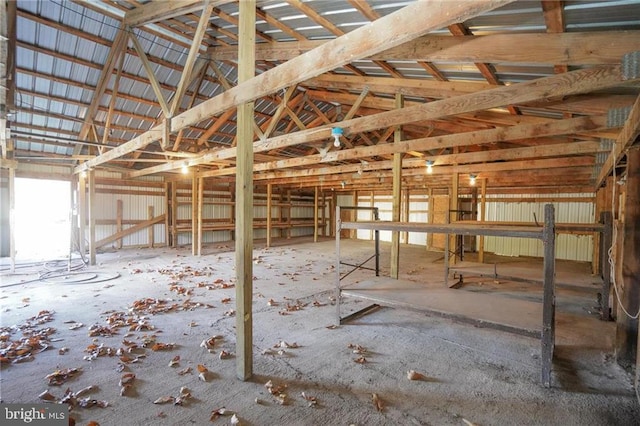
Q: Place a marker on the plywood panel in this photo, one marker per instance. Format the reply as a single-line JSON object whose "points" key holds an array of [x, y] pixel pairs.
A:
{"points": [[440, 210]]}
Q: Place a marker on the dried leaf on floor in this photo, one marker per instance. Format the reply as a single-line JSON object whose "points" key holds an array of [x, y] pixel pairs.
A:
{"points": [[283, 344], [89, 402], [331, 327], [215, 414], [357, 349], [162, 346], [468, 423], [224, 355], [83, 391], [377, 402], [46, 396], [360, 360], [312, 400], [272, 302], [184, 371], [93, 423], [164, 400], [174, 361], [235, 420], [318, 304], [225, 300], [59, 377], [203, 372], [76, 326], [414, 375], [202, 368], [230, 313], [127, 379], [124, 390], [63, 350]]}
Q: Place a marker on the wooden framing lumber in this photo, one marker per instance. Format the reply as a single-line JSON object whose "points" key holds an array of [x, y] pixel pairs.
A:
{"points": [[627, 136], [394, 29], [574, 48], [135, 228], [548, 297], [396, 195], [155, 85], [244, 193], [558, 85], [166, 9]]}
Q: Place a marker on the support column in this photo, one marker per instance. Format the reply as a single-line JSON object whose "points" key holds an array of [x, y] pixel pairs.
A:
{"points": [[483, 208], [453, 216], [397, 194], [200, 209], [332, 216], [269, 194], [167, 210], [315, 215], [430, 213], [119, 210], [174, 214], [82, 213], [244, 191], [548, 336], [407, 205], [91, 214], [150, 236], [194, 215], [629, 288]]}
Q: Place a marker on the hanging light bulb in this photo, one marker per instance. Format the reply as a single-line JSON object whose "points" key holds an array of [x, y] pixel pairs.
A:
{"points": [[472, 180], [336, 132], [429, 166], [185, 168], [343, 183]]}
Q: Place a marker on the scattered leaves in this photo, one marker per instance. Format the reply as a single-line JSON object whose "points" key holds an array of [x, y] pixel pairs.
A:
{"points": [[414, 375], [377, 402], [224, 355], [311, 400], [360, 360], [184, 371], [164, 400], [230, 313], [283, 344], [59, 377], [174, 361], [357, 349], [76, 325], [162, 346]]}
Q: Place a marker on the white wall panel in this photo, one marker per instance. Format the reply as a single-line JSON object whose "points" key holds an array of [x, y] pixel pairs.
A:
{"points": [[570, 247]]}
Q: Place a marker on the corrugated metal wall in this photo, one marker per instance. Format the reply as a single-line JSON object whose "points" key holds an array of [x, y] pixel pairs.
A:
{"points": [[500, 208], [570, 247]]}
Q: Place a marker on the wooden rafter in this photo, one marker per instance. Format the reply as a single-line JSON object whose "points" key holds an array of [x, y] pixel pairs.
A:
{"points": [[151, 75], [389, 31]]}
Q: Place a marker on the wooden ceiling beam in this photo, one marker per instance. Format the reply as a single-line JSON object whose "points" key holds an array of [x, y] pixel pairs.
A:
{"points": [[574, 82], [161, 10], [411, 21], [424, 144], [579, 48]]}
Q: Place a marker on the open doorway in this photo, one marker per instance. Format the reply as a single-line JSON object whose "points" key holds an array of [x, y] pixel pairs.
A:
{"points": [[42, 219]]}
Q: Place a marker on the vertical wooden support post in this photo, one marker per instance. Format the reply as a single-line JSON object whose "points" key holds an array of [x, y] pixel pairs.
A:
{"points": [[269, 195], [194, 215], [119, 210], [244, 191], [606, 218], [324, 214], [353, 234], [629, 288], [430, 213], [453, 216], [483, 208], [405, 216], [315, 215], [174, 214], [548, 298], [396, 195], [150, 233], [167, 215], [200, 210], [232, 197], [12, 218], [332, 217], [337, 235], [289, 210], [372, 204], [82, 213], [91, 215]]}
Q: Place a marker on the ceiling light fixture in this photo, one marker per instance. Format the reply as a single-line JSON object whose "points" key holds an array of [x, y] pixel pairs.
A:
{"points": [[429, 166], [472, 179], [185, 168], [336, 132]]}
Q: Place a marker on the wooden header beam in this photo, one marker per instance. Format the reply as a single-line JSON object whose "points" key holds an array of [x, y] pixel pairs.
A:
{"points": [[397, 28], [166, 9], [593, 48]]}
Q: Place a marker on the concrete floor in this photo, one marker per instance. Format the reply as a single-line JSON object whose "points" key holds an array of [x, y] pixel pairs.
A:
{"points": [[480, 375]]}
